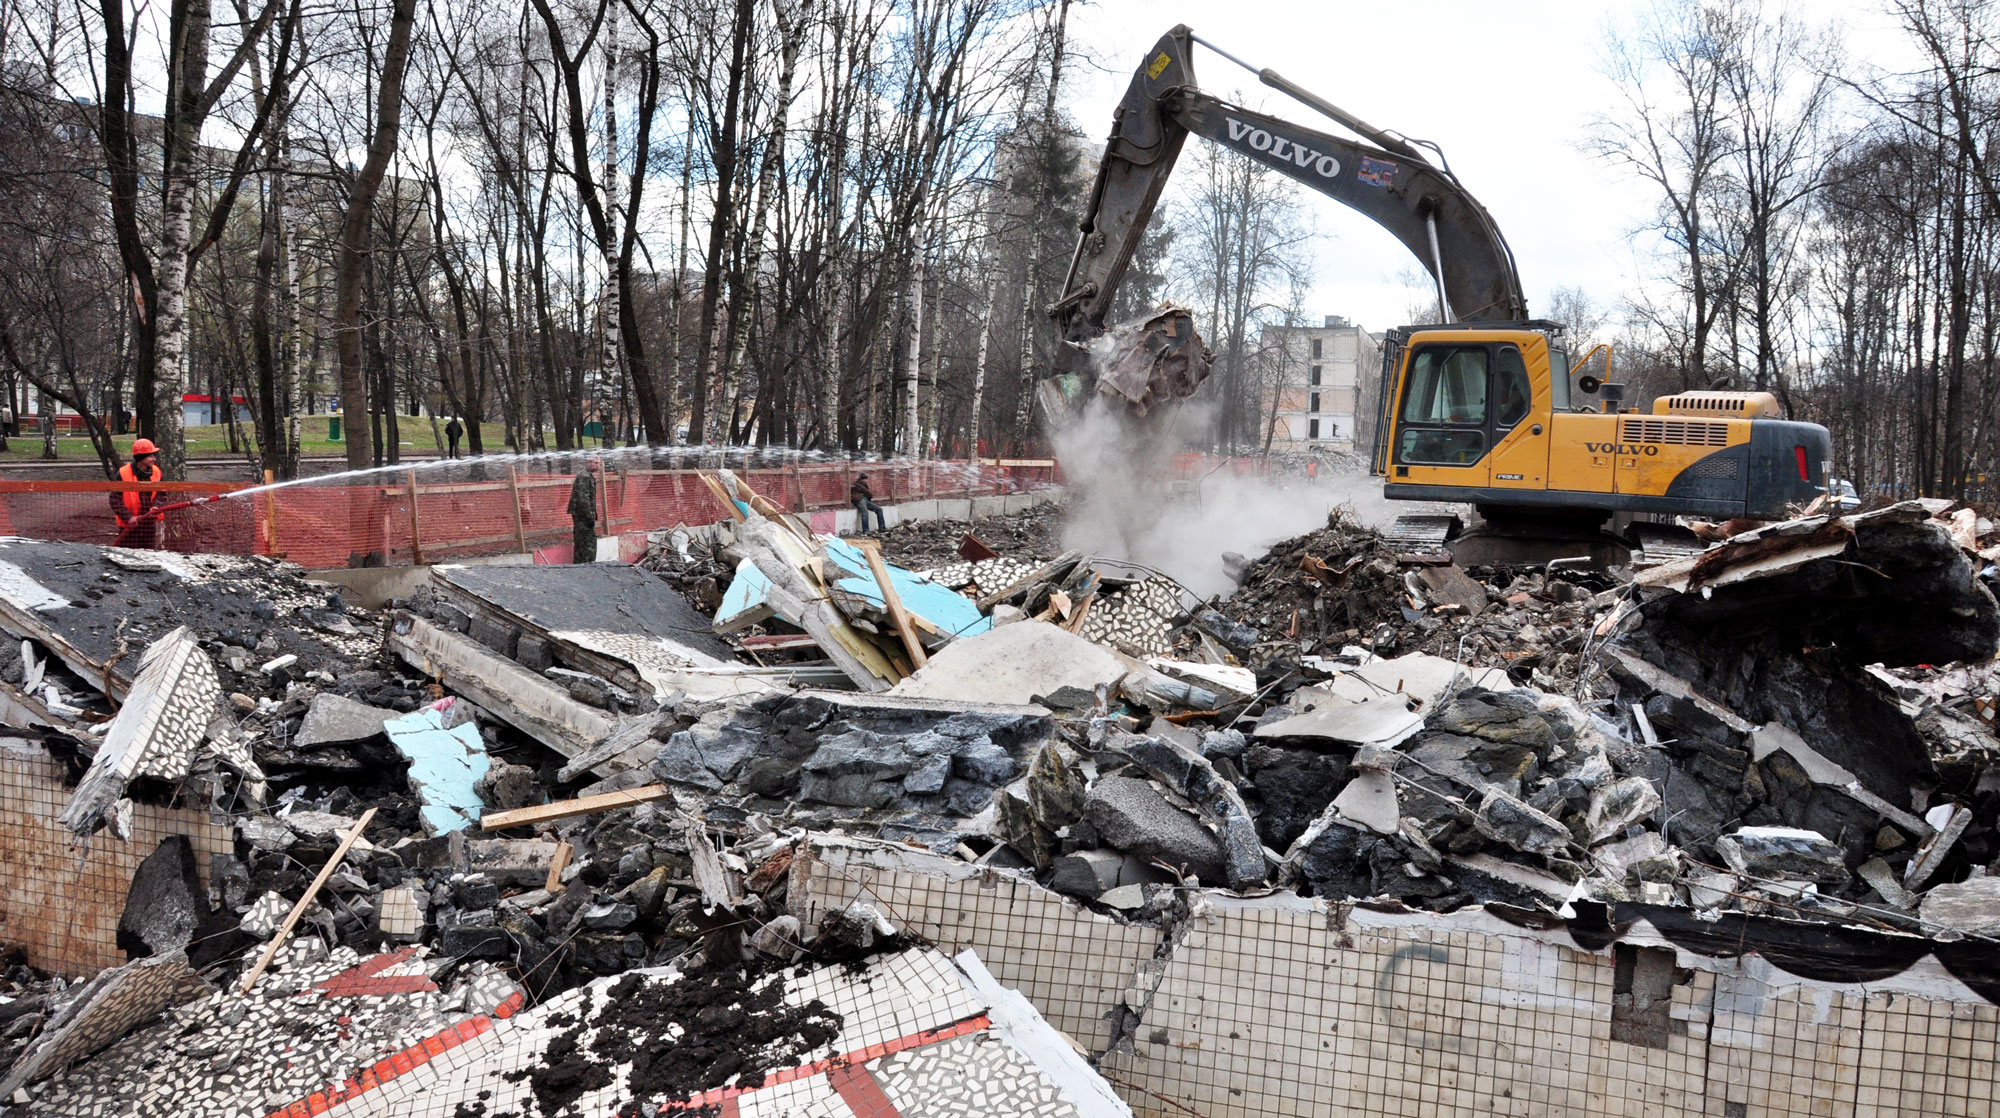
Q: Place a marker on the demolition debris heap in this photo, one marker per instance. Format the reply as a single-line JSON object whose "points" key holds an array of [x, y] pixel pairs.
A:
{"points": [[588, 797]]}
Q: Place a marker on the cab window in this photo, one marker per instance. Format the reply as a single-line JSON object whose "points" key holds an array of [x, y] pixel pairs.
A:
{"points": [[1558, 378], [1512, 394], [1447, 385], [1444, 406]]}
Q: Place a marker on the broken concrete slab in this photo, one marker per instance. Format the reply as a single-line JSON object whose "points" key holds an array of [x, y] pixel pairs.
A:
{"points": [[1092, 873], [1966, 907], [1369, 800], [338, 720], [1949, 821], [1013, 664], [1381, 720], [166, 907], [1507, 820], [1618, 805], [1783, 853], [1135, 817], [1420, 676], [588, 596], [1192, 777]]}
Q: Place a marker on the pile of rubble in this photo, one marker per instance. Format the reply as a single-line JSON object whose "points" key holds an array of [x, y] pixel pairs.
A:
{"points": [[583, 799]]}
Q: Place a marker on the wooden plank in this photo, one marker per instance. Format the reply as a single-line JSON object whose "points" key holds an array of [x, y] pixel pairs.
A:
{"points": [[598, 757], [900, 617], [416, 526], [570, 809], [556, 866], [271, 516], [514, 488], [777, 642], [299, 909], [527, 701], [1044, 573]]}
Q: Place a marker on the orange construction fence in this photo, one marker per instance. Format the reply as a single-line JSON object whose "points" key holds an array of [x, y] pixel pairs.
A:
{"points": [[472, 508]]}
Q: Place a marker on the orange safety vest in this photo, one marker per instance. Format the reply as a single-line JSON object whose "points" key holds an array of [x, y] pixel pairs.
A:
{"points": [[131, 497]]}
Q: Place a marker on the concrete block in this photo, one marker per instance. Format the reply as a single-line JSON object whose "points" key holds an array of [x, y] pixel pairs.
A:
{"points": [[532, 652], [496, 635]]}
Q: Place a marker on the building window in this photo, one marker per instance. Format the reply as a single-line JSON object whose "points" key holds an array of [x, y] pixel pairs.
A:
{"points": [[1315, 402], [1312, 428], [1316, 343], [1315, 377]]}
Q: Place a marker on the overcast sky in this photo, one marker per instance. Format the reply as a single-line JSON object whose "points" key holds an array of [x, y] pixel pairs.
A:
{"points": [[1507, 89]]}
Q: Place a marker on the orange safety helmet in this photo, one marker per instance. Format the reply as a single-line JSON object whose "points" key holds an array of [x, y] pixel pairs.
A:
{"points": [[143, 446]]}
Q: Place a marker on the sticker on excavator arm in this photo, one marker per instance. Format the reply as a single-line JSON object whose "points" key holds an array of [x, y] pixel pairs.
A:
{"points": [[1159, 65]]}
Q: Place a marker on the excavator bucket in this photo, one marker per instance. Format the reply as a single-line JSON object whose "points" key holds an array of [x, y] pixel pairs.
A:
{"points": [[1149, 361]]}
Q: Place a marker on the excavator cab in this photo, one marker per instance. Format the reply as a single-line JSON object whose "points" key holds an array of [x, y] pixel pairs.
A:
{"points": [[1483, 415]]}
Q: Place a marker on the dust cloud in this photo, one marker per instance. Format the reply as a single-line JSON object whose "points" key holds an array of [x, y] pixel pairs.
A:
{"points": [[1127, 502]]}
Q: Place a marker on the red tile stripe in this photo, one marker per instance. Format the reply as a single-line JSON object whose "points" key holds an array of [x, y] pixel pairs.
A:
{"points": [[851, 1059], [399, 1063], [861, 1093], [362, 981]]}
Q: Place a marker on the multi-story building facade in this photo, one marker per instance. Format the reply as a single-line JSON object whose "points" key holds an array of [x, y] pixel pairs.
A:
{"points": [[1321, 381]]}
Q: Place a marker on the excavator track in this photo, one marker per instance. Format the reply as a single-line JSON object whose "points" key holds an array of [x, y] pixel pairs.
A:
{"points": [[1422, 538], [1654, 544]]}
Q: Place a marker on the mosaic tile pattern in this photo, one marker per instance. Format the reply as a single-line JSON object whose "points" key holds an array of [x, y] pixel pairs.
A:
{"points": [[227, 1055], [61, 905], [1277, 1009], [349, 1037], [104, 1009], [970, 1076]]}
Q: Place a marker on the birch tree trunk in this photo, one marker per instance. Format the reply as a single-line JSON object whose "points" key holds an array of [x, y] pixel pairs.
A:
{"points": [[979, 363], [912, 418], [608, 358]]}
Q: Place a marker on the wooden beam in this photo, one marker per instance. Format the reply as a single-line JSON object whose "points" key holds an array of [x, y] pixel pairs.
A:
{"points": [[299, 909], [514, 488], [900, 617], [529, 702], [570, 809], [271, 516], [1048, 571], [416, 525], [556, 866]]}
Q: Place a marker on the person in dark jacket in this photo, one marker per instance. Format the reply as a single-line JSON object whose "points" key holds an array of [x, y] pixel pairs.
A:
{"points": [[863, 499], [452, 431], [583, 518]]}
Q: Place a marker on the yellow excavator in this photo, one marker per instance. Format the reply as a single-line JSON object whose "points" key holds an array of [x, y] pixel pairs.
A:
{"points": [[1483, 409]]}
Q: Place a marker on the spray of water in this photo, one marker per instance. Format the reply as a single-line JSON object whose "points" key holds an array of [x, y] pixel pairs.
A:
{"points": [[489, 467]]}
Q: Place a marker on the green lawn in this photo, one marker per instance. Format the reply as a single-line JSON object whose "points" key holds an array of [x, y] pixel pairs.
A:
{"points": [[213, 441]]}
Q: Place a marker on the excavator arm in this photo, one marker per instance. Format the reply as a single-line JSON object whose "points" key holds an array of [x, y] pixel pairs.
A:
{"points": [[1389, 180]]}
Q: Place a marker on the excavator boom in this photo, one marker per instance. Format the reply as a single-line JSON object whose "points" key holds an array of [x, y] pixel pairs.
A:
{"points": [[1421, 204]]}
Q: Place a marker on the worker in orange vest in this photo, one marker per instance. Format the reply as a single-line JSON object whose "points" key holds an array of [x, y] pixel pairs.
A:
{"points": [[138, 524]]}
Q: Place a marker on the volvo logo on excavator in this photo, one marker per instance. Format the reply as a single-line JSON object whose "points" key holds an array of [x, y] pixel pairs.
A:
{"points": [[1624, 450], [1278, 147]]}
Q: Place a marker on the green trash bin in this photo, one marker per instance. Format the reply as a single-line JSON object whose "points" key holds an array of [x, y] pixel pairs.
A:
{"points": [[333, 429]]}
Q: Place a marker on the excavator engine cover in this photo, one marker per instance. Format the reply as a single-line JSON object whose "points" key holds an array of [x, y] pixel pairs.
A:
{"points": [[1148, 361]]}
